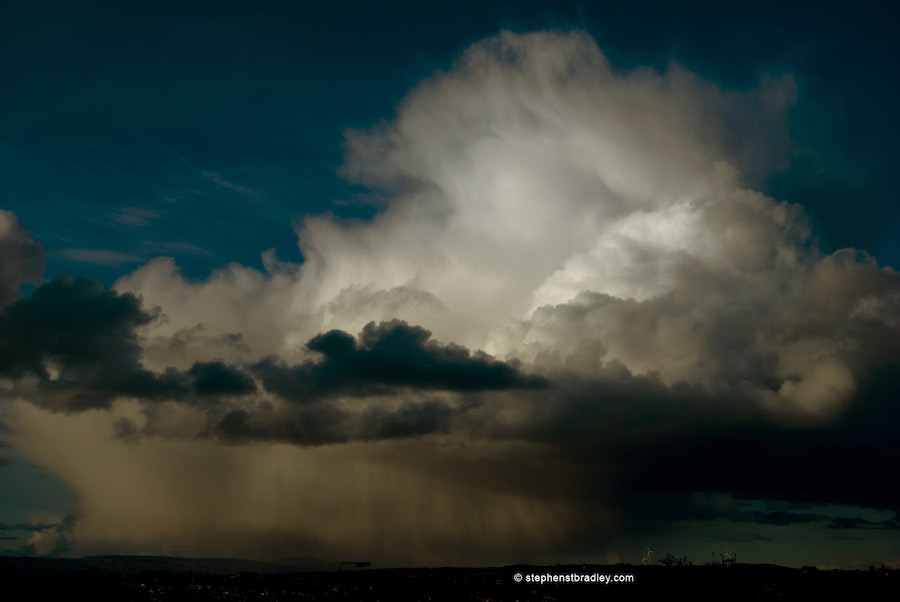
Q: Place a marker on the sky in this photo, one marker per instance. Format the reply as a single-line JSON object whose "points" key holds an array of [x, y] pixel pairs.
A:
{"points": [[450, 283]]}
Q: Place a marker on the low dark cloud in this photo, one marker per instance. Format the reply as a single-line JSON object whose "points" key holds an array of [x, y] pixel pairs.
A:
{"points": [[388, 356], [73, 346], [393, 368], [411, 419], [217, 378], [845, 522], [73, 322], [328, 421], [654, 446], [317, 424], [79, 342]]}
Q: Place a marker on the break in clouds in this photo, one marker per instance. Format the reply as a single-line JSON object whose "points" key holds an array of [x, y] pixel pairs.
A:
{"points": [[570, 295]]}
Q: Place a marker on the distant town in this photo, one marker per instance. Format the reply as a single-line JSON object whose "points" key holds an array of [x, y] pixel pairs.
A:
{"points": [[144, 579]]}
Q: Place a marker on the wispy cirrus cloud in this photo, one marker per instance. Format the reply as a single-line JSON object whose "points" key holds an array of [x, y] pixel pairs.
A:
{"points": [[135, 216], [99, 256]]}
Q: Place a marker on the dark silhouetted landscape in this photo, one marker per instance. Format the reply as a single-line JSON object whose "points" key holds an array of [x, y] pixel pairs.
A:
{"points": [[122, 579]]}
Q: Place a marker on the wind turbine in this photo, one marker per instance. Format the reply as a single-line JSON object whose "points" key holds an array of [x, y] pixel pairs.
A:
{"points": [[645, 556]]}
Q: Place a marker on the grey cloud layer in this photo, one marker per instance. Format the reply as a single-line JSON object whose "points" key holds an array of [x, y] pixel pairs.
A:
{"points": [[388, 356], [71, 346], [80, 344]]}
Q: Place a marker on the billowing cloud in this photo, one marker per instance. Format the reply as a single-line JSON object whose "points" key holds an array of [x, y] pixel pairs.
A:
{"points": [[388, 356], [570, 302], [72, 345]]}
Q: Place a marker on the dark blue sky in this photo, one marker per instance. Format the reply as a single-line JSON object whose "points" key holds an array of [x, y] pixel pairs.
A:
{"points": [[235, 112]]}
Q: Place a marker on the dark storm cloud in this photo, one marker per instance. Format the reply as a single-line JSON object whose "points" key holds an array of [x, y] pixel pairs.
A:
{"points": [[319, 424], [329, 421], [389, 355], [73, 346], [647, 448], [326, 421], [217, 378], [79, 342], [389, 366], [75, 323], [388, 362], [410, 420]]}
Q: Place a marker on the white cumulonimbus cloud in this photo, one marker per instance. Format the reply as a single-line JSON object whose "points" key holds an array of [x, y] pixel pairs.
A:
{"points": [[595, 229], [538, 199]]}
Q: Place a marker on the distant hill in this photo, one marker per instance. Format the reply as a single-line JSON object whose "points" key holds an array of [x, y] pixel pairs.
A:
{"points": [[150, 564], [118, 578]]}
